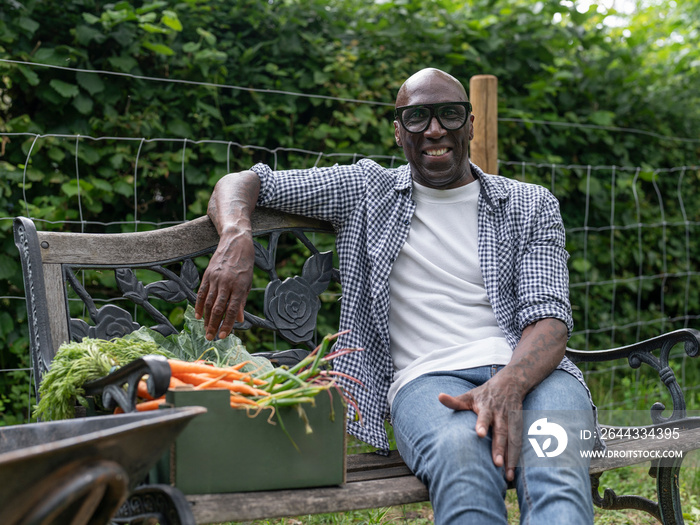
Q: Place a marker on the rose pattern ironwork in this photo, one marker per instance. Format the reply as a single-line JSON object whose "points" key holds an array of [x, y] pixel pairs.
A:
{"points": [[292, 306], [110, 322]]}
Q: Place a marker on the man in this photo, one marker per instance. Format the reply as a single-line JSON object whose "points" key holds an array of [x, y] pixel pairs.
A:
{"points": [[455, 284]]}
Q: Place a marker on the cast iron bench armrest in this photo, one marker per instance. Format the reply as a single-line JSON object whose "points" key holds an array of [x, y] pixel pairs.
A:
{"points": [[664, 342], [643, 352]]}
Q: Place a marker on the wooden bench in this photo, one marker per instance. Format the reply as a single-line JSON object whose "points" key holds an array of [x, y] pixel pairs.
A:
{"points": [[52, 262]]}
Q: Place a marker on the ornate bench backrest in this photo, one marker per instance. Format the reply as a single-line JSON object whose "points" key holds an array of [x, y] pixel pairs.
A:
{"points": [[52, 264]]}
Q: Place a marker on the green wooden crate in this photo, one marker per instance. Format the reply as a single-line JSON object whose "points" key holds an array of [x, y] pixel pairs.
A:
{"points": [[228, 450]]}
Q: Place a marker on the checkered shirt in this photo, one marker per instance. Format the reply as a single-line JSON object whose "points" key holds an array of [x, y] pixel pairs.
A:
{"points": [[522, 255]]}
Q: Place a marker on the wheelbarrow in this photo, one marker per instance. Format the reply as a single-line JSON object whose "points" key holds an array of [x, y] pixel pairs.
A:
{"points": [[81, 471]]}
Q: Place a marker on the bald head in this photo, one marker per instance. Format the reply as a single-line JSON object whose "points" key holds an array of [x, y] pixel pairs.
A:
{"points": [[426, 81]]}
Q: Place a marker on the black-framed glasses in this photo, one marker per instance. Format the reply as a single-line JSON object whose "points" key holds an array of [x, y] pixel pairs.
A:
{"points": [[417, 118]]}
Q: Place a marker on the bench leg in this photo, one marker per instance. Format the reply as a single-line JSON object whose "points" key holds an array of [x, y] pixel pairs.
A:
{"points": [[666, 472], [668, 510], [612, 501]]}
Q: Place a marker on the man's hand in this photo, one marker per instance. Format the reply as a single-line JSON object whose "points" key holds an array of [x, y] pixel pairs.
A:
{"points": [[498, 402], [225, 285], [229, 276], [498, 406]]}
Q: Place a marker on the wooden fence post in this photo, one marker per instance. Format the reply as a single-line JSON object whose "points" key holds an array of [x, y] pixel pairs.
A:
{"points": [[483, 94]]}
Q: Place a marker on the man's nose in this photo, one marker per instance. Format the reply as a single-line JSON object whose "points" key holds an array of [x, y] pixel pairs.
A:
{"points": [[435, 129]]}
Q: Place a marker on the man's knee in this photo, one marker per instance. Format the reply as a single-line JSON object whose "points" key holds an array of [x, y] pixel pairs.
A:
{"points": [[558, 391]]}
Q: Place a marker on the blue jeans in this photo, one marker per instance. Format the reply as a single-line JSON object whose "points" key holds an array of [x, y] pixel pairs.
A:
{"points": [[441, 447]]}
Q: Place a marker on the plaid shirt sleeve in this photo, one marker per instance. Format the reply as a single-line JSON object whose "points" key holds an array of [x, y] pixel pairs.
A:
{"points": [[329, 194], [523, 255], [543, 290]]}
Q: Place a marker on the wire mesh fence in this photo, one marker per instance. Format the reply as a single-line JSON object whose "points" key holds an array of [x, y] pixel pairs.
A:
{"points": [[631, 231]]}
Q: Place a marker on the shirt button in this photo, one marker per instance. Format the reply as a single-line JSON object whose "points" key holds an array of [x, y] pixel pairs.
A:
{"points": [[407, 222]]}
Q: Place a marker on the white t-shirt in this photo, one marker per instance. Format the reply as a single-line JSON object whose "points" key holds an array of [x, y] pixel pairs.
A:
{"points": [[440, 316]]}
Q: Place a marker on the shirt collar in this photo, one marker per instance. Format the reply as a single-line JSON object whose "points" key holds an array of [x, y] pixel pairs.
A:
{"points": [[492, 193], [403, 180]]}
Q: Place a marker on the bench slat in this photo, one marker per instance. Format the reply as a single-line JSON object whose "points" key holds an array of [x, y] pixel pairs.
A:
{"points": [[623, 451], [382, 473], [197, 235], [215, 508], [370, 460]]}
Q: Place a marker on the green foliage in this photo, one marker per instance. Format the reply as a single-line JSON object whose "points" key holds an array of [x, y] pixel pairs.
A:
{"points": [[553, 64], [73, 365], [191, 345]]}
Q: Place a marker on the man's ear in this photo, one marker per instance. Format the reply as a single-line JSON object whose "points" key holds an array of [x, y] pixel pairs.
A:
{"points": [[471, 127], [397, 135]]}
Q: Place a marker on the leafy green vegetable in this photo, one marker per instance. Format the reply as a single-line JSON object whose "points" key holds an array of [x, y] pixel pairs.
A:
{"points": [[76, 363], [192, 345]]}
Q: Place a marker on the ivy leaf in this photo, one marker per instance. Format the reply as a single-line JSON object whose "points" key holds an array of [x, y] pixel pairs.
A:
{"points": [[28, 24], [123, 63], [90, 82], [86, 34], [90, 18], [160, 49], [147, 8], [206, 35], [83, 104], [191, 47], [30, 75], [56, 154], [153, 29], [64, 89], [171, 20], [179, 128], [8, 267]]}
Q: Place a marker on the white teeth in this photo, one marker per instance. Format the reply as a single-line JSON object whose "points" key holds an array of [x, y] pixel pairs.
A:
{"points": [[436, 152]]}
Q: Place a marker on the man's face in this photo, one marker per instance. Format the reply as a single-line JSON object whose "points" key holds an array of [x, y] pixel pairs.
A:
{"points": [[438, 158]]}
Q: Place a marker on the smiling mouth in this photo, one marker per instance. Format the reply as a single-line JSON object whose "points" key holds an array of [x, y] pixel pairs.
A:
{"points": [[436, 152]]}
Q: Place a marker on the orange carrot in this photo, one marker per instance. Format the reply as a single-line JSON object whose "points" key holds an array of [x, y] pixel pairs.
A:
{"points": [[190, 378], [142, 390], [209, 382], [177, 368], [234, 386], [237, 400], [240, 388], [175, 382], [238, 366], [150, 405]]}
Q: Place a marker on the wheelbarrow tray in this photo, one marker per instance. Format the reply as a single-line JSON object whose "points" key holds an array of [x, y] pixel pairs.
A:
{"points": [[31, 453]]}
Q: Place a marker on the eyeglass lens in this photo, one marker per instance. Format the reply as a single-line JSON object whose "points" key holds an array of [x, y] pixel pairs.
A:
{"points": [[418, 119]]}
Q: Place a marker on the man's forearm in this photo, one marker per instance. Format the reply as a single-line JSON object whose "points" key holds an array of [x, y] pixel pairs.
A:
{"points": [[233, 201], [539, 352], [227, 280]]}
